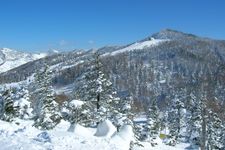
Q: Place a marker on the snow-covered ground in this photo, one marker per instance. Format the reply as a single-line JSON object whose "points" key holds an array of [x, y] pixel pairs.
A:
{"points": [[22, 136]]}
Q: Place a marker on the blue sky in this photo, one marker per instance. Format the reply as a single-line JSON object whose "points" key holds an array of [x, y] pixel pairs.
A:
{"points": [[40, 25]]}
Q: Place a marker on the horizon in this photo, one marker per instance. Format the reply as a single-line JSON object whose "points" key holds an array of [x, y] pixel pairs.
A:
{"points": [[66, 25]]}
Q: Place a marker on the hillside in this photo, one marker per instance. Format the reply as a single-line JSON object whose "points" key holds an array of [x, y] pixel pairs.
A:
{"points": [[178, 60], [165, 92], [10, 59]]}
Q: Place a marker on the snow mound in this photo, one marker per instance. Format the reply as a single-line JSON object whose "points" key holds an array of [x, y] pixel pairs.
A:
{"points": [[21, 136], [105, 129], [62, 126], [123, 138], [126, 133], [80, 130]]}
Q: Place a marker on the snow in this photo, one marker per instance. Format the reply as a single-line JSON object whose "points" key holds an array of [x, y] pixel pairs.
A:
{"points": [[76, 103], [139, 45], [105, 129], [64, 89], [22, 135], [147, 146], [162, 81], [73, 65], [123, 138], [13, 58]]}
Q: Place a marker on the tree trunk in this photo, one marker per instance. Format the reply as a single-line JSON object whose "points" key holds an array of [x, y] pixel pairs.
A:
{"points": [[98, 104], [98, 101]]}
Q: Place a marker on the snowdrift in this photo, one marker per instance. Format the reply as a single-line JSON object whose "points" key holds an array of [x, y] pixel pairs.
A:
{"points": [[105, 129]]}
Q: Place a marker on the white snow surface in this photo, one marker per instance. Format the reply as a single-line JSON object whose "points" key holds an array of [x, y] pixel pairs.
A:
{"points": [[13, 58], [76, 103], [138, 45], [105, 129], [21, 135], [125, 135]]}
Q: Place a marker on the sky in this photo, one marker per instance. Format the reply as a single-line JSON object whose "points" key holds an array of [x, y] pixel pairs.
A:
{"points": [[42, 25]]}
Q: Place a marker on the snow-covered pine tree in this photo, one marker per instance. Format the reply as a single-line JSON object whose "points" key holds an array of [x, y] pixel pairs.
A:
{"points": [[175, 118], [204, 117], [25, 111], [194, 123], [9, 110], [74, 111], [121, 111], [223, 137], [215, 132], [153, 123], [96, 90], [49, 115], [197, 127], [1, 104]]}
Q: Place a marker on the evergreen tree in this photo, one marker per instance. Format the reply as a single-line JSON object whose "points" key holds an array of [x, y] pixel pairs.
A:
{"points": [[49, 115], [73, 110], [223, 137], [197, 127], [175, 118], [194, 124], [96, 90], [25, 111], [215, 132], [204, 122], [153, 124], [9, 110], [121, 113]]}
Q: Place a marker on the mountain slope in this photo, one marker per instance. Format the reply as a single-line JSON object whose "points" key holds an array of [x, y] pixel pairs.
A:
{"points": [[10, 59], [179, 62]]}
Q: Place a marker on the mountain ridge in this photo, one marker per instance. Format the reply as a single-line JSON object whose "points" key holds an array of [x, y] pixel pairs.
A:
{"points": [[10, 58], [183, 62]]}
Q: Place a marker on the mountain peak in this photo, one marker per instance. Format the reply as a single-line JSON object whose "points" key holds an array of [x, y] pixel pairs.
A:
{"points": [[172, 34]]}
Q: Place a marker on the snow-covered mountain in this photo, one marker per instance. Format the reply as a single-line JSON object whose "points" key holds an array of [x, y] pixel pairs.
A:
{"points": [[10, 58], [166, 67], [179, 59]]}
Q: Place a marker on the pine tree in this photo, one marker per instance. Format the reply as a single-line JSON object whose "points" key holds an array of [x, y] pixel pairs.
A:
{"points": [[215, 132], [223, 137], [204, 122], [197, 127], [175, 118], [96, 90], [74, 113], [194, 124], [121, 111], [49, 115], [9, 110], [153, 124], [25, 111]]}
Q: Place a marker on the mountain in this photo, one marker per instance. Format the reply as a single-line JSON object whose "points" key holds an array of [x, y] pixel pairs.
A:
{"points": [[176, 63], [10, 59]]}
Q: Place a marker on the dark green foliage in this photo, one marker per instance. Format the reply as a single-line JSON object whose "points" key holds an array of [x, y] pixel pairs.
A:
{"points": [[215, 132], [153, 123], [96, 91], [49, 115], [9, 110], [176, 119]]}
